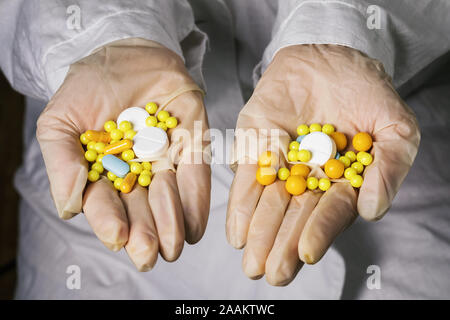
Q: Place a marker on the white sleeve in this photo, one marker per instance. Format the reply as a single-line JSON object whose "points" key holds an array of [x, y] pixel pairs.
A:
{"points": [[41, 39], [405, 35]]}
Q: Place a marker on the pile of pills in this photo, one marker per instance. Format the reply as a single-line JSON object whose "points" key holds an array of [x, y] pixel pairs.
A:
{"points": [[321, 146], [122, 150]]}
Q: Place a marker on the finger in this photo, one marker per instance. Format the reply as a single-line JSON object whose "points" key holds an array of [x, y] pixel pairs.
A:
{"points": [[264, 227], [244, 195], [64, 160], [106, 214], [334, 212], [142, 246], [394, 151], [283, 262], [194, 184], [165, 204]]}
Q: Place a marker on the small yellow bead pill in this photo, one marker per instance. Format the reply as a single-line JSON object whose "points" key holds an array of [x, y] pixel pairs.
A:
{"points": [[128, 155], [312, 183], [349, 173], [302, 129], [266, 175], [351, 155], [84, 140], [283, 174], [162, 125], [146, 165], [90, 155], [124, 126], [99, 147], [163, 115], [151, 107], [99, 158], [144, 180], [304, 155], [328, 128], [358, 166], [129, 135], [364, 157], [93, 175], [91, 145], [346, 161], [171, 122], [118, 183], [109, 126], [294, 145], [146, 172], [292, 156], [324, 184], [97, 167], [116, 134], [111, 176], [136, 167], [151, 121], [315, 127], [356, 181], [128, 182]]}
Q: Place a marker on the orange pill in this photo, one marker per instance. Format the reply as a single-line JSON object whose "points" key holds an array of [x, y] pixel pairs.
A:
{"points": [[334, 168], [340, 139], [266, 175], [98, 136], [118, 147], [295, 185], [362, 141], [128, 182], [300, 170]]}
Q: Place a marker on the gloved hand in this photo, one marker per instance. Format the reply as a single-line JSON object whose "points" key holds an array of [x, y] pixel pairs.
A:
{"points": [[316, 84], [120, 75]]}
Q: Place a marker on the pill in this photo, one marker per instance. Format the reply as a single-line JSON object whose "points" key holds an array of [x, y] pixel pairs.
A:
{"points": [[362, 141], [118, 147], [163, 115], [111, 176], [135, 115], [118, 183], [115, 165], [268, 159], [150, 142], [349, 173], [321, 146], [129, 134], [116, 134], [109, 126], [315, 127], [91, 145], [151, 121], [84, 140], [144, 180], [90, 155], [300, 170], [128, 182], [345, 160], [97, 167], [125, 125], [340, 139], [358, 166], [93, 175], [294, 145], [328, 128], [302, 130], [98, 136], [351, 155], [303, 155], [171, 122], [312, 183], [162, 125], [136, 167], [364, 157], [283, 174], [151, 107], [295, 185], [324, 184], [128, 155], [356, 181], [266, 175], [292, 156], [334, 168]]}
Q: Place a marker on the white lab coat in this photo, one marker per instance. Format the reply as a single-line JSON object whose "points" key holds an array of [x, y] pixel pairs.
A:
{"points": [[410, 245]]}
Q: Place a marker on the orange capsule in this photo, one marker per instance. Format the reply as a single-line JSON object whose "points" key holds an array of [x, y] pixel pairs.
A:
{"points": [[128, 182], [98, 136], [118, 147]]}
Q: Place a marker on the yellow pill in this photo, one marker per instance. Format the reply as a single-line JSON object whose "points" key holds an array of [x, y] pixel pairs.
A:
{"points": [[302, 129], [292, 156], [151, 107], [364, 157], [300, 169], [146, 172], [99, 147], [268, 159], [345, 160], [144, 180], [315, 127], [349, 173], [128, 155], [128, 182], [97, 167], [124, 126], [283, 174], [91, 145], [151, 121], [116, 134], [340, 139], [351, 155], [163, 115], [171, 122], [312, 183], [99, 158], [109, 126], [356, 181], [328, 128], [90, 155], [111, 176], [294, 145], [162, 125], [118, 183], [136, 167], [358, 166], [84, 140], [266, 175], [295, 185], [324, 184], [334, 168], [146, 165], [362, 141], [303, 155], [129, 135], [98, 136], [93, 175], [118, 147]]}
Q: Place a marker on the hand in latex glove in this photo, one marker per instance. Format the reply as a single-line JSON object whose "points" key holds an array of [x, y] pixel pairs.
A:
{"points": [[317, 84], [97, 88]]}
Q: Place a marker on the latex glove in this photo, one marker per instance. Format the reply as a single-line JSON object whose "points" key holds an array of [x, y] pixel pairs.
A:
{"points": [[316, 84], [124, 74]]}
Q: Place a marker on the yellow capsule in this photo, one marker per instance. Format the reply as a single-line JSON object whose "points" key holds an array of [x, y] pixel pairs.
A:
{"points": [[349, 173], [124, 126], [294, 145], [292, 156], [315, 127], [151, 121], [90, 155], [128, 155], [328, 128], [146, 165], [118, 183], [98, 136], [109, 126], [84, 140], [97, 167], [99, 147], [128, 182], [144, 180], [324, 184], [312, 183], [118, 147], [146, 172], [356, 181], [136, 167], [346, 161], [302, 129], [303, 155], [111, 176], [93, 175], [151, 107], [364, 157], [171, 122], [99, 158], [129, 135], [163, 115], [91, 145], [116, 134], [358, 166], [283, 174], [162, 125], [351, 155]]}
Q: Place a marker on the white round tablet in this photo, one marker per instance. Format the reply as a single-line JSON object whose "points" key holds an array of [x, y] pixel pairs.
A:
{"points": [[136, 115], [150, 142], [321, 146]]}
